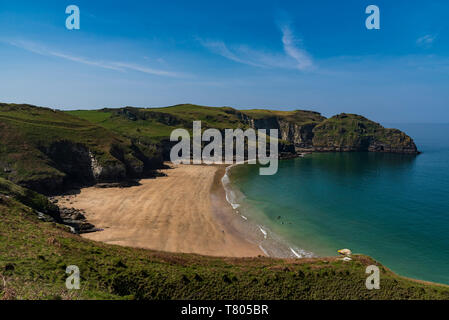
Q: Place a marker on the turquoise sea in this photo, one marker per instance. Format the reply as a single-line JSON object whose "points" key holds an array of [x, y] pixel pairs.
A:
{"points": [[392, 207]]}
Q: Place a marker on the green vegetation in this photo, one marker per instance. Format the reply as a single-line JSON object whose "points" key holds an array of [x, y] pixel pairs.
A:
{"points": [[296, 117], [46, 150], [125, 124], [39, 144], [32, 199], [34, 256], [156, 124]]}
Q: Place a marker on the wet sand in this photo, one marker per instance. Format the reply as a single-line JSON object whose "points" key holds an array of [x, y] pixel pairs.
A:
{"points": [[185, 211]]}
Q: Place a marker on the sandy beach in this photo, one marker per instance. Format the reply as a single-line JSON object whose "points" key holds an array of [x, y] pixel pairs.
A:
{"points": [[184, 211]]}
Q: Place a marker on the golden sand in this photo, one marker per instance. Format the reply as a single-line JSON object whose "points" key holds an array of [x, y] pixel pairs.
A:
{"points": [[176, 213]]}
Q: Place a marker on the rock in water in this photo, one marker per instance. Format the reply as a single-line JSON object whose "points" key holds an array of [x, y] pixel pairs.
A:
{"points": [[345, 252]]}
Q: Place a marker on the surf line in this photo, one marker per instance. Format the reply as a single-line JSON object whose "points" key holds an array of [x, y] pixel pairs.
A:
{"points": [[295, 253], [263, 250], [263, 231], [225, 181]]}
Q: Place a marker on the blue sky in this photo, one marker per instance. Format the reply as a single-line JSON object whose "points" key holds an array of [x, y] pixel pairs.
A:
{"points": [[273, 54]]}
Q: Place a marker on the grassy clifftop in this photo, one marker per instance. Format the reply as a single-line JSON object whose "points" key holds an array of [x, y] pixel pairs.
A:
{"points": [[44, 149], [34, 256], [296, 116], [351, 132]]}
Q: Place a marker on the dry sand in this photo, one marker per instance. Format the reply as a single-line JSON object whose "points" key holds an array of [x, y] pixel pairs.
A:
{"points": [[184, 211]]}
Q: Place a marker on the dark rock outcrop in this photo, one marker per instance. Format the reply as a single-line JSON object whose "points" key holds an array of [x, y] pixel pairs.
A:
{"points": [[75, 218], [73, 159]]}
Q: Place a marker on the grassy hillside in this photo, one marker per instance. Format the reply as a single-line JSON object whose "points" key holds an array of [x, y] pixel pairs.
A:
{"points": [[156, 124], [43, 149], [35, 254], [296, 117], [32, 199]]}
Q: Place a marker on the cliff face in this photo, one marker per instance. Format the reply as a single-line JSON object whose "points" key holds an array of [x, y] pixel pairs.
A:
{"points": [[294, 127], [344, 132]]}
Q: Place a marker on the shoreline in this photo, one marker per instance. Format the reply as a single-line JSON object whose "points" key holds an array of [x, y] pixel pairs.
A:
{"points": [[271, 244], [178, 212]]}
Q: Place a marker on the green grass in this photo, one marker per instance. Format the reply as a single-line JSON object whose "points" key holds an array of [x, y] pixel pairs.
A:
{"points": [[34, 256], [156, 124], [32, 199], [29, 132], [148, 129], [297, 116]]}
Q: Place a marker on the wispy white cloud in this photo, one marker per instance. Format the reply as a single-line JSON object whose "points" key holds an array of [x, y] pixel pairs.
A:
{"points": [[293, 57], [426, 40], [146, 69], [41, 50], [292, 47], [220, 48], [111, 65]]}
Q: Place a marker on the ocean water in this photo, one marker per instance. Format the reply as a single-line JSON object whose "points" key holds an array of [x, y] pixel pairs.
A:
{"points": [[392, 207]]}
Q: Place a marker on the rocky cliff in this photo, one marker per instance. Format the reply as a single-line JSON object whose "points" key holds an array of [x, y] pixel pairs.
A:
{"points": [[343, 132], [295, 127], [350, 132]]}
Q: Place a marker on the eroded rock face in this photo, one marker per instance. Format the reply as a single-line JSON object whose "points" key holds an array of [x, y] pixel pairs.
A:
{"points": [[382, 147], [112, 172], [73, 159], [48, 185], [300, 135], [80, 167]]}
